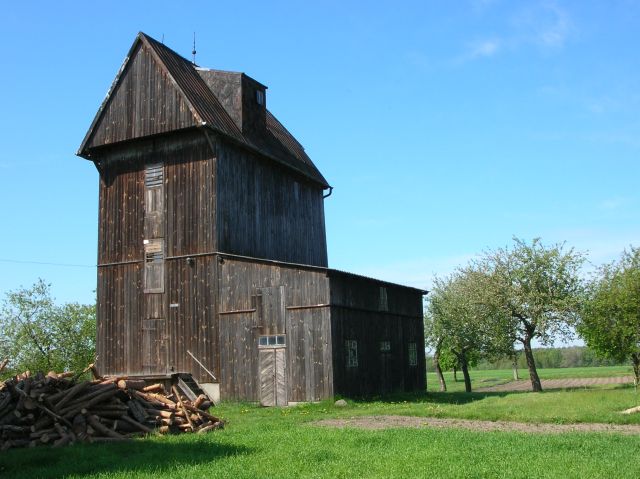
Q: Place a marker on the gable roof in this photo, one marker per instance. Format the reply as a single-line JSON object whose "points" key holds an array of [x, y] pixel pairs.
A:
{"points": [[207, 111]]}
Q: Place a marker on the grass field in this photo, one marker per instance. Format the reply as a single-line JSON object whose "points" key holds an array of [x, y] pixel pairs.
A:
{"points": [[487, 378], [261, 442]]}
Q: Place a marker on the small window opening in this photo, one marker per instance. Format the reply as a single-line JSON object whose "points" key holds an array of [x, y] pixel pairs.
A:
{"points": [[153, 175], [384, 304], [260, 97], [413, 354], [351, 346], [272, 341]]}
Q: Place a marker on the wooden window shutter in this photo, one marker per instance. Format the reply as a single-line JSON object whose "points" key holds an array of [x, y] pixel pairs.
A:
{"points": [[154, 266], [154, 200]]}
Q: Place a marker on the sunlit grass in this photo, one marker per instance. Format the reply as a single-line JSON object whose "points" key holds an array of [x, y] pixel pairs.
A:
{"points": [[284, 443], [488, 378]]}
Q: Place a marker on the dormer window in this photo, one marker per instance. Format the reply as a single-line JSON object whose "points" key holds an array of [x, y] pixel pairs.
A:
{"points": [[260, 97]]}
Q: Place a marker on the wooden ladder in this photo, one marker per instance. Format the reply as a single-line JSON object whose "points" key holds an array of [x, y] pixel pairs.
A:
{"points": [[189, 386]]}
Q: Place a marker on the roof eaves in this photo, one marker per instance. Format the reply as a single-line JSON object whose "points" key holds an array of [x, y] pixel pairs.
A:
{"points": [[244, 143], [125, 64]]}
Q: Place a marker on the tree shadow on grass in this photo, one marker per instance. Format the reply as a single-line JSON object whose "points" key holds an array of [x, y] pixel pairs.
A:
{"points": [[154, 455], [433, 397]]}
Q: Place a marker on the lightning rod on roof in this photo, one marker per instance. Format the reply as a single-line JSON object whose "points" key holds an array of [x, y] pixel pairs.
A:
{"points": [[193, 52]]}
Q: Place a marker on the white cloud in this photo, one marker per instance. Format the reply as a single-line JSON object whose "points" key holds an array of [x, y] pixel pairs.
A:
{"points": [[611, 204], [484, 48], [544, 24]]}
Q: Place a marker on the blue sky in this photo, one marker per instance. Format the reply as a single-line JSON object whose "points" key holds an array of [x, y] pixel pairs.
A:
{"points": [[445, 127]]}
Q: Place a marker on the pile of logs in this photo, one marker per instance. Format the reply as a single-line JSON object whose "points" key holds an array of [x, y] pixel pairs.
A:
{"points": [[57, 409]]}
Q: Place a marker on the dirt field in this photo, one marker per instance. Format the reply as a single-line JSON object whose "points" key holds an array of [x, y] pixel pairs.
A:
{"points": [[525, 384], [387, 422]]}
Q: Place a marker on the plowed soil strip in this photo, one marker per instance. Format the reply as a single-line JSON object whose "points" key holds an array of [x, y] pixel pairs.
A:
{"points": [[389, 422], [525, 384]]}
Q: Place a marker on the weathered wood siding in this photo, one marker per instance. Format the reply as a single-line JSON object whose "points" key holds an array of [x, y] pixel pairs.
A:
{"points": [[120, 313], [121, 213], [191, 291], [371, 312], [247, 290], [140, 332], [266, 212], [145, 102], [191, 198]]}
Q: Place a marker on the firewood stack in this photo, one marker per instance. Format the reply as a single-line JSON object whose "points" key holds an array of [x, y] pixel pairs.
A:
{"points": [[56, 409]]}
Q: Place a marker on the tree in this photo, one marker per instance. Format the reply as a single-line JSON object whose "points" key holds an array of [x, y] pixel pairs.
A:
{"points": [[38, 335], [453, 321], [610, 320], [531, 291]]}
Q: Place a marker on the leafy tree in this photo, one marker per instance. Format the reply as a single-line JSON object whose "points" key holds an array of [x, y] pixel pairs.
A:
{"points": [[454, 323], [531, 291], [36, 334], [610, 322], [434, 338]]}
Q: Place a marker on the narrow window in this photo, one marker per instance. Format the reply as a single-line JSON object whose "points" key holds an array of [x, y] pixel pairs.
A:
{"points": [[260, 97], [154, 266], [383, 304], [413, 354], [351, 347], [385, 346], [272, 341]]}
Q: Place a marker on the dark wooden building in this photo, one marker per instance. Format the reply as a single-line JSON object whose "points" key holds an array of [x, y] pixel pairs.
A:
{"points": [[212, 255]]}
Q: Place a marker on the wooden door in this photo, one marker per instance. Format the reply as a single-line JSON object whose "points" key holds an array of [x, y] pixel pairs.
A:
{"points": [[154, 346], [273, 376]]}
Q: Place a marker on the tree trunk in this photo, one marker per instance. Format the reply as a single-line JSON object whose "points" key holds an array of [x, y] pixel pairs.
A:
{"points": [[436, 364], [516, 377], [531, 364], [455, 373], [465, 372], [635, 359]]}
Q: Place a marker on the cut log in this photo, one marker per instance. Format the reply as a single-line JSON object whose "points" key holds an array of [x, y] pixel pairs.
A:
{"points": [[202, 413], [137, 384], [155, 398], [161, 413], [137, 411], [136, 424], [199, 400], [210, 427], [154, 388], [94, 371], [101, 428], [64, 397], [181, 405]]}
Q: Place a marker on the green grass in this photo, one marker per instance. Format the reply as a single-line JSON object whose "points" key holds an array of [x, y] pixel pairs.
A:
{"points": [[487, 378], [270, 442]]}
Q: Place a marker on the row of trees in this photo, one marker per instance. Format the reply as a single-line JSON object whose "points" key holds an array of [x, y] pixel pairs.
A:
{"points": [[38, 335], [507, 298], [555, 357]]}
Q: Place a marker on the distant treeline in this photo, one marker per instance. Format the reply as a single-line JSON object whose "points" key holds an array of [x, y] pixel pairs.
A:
{"points": [[570, 357]]}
